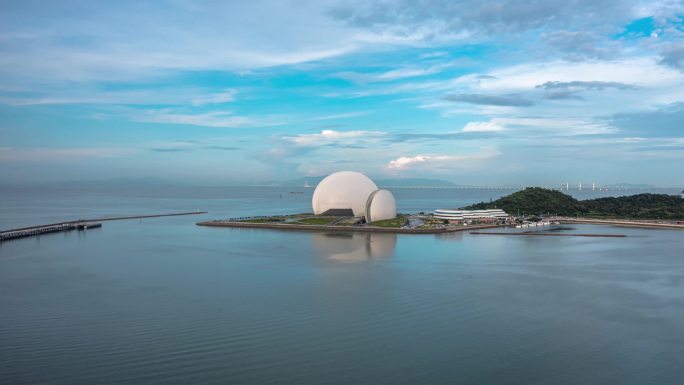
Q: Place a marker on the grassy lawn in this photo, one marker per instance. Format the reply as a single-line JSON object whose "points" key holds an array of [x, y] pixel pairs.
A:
{"points": [[261, 220], [316, 220], [392, 223]]}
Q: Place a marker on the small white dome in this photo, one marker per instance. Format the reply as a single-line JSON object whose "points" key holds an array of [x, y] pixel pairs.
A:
{"points": [[381, 205], [344, 190]]}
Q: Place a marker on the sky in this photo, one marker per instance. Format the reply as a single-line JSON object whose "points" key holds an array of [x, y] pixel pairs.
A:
{"points": [[499, 92]]}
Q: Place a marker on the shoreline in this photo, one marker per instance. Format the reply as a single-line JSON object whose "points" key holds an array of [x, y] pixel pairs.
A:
{"points": [[372, 229], [621, 223], [362, 229], [538, 234]]}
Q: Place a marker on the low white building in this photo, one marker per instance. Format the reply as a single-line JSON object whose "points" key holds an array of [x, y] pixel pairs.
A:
{"points": [[468, 215]]}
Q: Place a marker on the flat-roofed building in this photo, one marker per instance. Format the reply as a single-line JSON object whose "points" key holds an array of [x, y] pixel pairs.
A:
{"points": [[470, 215]]}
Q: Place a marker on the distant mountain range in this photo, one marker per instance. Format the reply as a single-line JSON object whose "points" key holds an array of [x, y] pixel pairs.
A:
{"points": [[414, 182], [116, 182], [132, 182], [629, 186], [311, 181], [417, 182]]}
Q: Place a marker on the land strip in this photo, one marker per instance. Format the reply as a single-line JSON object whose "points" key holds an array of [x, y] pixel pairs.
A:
{"points": [[624, 222], [364, 229], [536, 234]]}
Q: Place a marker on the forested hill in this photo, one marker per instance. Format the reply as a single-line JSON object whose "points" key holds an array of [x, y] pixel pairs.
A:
{"points": [[637, 206], [537, 200]]}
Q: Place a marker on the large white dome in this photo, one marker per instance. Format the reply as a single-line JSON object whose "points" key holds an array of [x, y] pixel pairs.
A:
{"points": [[344, 190], [380, 205]]}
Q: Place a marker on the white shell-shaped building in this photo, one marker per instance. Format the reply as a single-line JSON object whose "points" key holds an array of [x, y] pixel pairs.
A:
{"points": [[380, 205], [343, 190], [354, 193]]}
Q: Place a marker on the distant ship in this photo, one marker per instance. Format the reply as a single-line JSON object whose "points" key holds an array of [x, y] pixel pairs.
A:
{"points": [[306, 184]]}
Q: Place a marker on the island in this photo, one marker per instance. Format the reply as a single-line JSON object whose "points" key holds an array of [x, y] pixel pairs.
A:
{"points": [[401, 224], [349, 201], [545, 202]]}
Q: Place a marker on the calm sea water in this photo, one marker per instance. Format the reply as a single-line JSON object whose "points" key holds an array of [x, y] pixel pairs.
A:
{"points": [[161, 301]]}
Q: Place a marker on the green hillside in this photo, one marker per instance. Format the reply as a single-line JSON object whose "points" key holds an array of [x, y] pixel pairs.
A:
{"points": [[637, 206], [537, 200]]}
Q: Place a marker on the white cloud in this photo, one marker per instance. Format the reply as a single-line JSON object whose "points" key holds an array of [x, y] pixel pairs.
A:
{"points": [[645, 71], [399, 35], [404, 72], [217, 98], [76, 43], [223, 119], [483, 127], [435, 54], [340, 116], [441, 161], [332, 136], [555, 125], [634, 140], [167, 95], [11, 154]]}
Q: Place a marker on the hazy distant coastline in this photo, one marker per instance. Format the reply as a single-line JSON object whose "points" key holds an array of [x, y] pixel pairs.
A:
{"points": [[313, 181]]}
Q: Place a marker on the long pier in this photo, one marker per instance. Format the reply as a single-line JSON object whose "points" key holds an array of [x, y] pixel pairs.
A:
{"points": [[79, 224], [38, 230]]}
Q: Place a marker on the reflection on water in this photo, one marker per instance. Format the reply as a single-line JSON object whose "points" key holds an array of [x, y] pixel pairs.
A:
{"points": [[453, 236], [354, 246]]}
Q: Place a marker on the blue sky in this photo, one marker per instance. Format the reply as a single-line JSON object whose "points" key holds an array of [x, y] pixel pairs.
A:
{"points": [[477, 92]]}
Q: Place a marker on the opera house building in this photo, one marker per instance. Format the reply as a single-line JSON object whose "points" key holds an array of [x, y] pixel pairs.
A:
{"points": [[465, 215], [348, 193]]}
